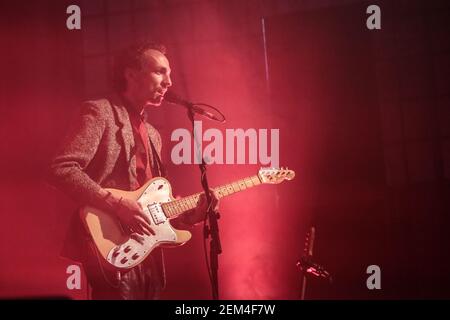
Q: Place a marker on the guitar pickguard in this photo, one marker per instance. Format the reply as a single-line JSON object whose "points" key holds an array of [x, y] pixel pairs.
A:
{"points": [[136, 248]]}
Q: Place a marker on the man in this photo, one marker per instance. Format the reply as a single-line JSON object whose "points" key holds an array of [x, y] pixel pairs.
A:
{"points": [[111, 145]]}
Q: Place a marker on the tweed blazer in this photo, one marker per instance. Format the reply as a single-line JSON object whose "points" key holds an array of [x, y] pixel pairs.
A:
{"points": [[98, 152]]}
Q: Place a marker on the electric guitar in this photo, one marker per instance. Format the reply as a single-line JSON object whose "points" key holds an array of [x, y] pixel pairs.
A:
{"points": [[121, 251]]}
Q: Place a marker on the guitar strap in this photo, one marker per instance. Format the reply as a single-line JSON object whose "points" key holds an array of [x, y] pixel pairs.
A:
{"points": [[160, 169]]}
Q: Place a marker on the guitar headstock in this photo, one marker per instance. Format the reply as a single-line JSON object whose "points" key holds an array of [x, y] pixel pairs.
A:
{"points": [[274, 175]]}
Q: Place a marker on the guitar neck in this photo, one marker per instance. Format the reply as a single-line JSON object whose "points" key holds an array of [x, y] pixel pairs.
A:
{"points": [[177, 207]]}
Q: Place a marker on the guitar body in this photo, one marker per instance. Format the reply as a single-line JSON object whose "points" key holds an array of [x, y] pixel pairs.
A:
{"points": [[120, 250]]}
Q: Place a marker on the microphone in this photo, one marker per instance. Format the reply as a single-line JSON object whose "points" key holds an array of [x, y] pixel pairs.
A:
{"points": [[175, 99]]}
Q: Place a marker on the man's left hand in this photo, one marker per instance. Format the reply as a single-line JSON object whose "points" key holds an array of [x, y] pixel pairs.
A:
{"points": [[199, 213]]}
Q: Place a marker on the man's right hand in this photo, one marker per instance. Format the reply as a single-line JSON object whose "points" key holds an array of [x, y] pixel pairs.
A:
{"points": [[131, 214]]}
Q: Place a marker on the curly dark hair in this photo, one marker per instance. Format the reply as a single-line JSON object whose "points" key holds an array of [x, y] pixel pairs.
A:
{"points": [[131, 57]]}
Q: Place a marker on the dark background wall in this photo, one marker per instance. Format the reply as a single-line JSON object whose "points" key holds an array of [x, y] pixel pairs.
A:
{"points": [[363, 118]]}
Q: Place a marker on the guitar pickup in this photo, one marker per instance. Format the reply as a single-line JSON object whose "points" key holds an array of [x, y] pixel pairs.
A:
{"points": [[156, 213], [124, 260], [127, 249]]}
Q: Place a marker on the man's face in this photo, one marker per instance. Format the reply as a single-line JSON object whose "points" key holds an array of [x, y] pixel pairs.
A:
{"points": [[149, 84]]}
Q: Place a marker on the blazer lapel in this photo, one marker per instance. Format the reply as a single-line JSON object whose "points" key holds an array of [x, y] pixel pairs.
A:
{"points": [[123, 120]]}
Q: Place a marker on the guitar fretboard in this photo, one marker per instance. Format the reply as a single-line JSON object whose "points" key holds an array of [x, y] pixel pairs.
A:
{"points": [[177, 207]]}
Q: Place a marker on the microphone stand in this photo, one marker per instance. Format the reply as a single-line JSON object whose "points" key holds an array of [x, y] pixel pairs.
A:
{"points": [[307, 266], [215, 246]]}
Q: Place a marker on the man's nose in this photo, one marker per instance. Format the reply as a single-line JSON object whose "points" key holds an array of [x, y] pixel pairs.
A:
{"points": [[167, 82]]}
